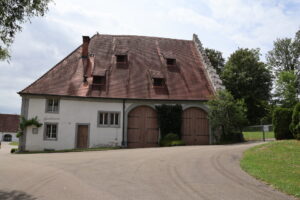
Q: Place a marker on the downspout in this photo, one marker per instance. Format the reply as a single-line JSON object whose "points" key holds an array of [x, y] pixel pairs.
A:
{"points": [[123, 126]]}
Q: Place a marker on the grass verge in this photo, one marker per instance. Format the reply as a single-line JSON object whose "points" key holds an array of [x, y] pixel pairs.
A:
{"points": [[70, 150], [277, 163], [257, 135], [14, 143]]}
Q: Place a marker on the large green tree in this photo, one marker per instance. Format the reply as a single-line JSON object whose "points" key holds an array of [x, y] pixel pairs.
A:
{"points": [[227, 116], [285, 55], [12, 14], [247, 78], [286, 89], [216, 59]]}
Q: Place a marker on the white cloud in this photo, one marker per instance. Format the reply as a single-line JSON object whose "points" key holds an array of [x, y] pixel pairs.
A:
{"points": [[188, 16], [224, 25]]}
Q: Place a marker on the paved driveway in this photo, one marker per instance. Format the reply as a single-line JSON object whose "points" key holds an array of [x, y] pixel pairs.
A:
{"points": [[191, 172]]}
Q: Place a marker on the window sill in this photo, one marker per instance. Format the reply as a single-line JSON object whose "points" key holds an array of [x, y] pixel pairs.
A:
{"points": [[50, 139], [54, 112], [108, 126]]}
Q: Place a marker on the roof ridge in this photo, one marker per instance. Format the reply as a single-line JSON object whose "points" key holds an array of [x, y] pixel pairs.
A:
{"points": [[142, 36]]}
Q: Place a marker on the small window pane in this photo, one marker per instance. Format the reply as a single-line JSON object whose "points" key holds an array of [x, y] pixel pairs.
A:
{"points": [[117, 119], [49, 105], [101, 118], [105, 118], [112, 116], [171, 61], [158, 82], [55, 105], [99, 80], [53, 128], [48, 131], [121, 58]]}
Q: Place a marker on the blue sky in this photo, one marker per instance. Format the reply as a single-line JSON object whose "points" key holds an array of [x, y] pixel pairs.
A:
{"points": [[224, 25]]}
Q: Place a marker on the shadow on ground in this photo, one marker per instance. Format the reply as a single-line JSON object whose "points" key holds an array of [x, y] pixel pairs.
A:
{"points": [[15, 195]]}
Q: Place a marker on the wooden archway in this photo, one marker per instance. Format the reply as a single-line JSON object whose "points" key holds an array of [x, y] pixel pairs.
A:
{"points": [[195, 126], [142, 129]]}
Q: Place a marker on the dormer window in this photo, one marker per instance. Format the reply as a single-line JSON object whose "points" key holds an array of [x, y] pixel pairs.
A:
{"points": [[171, 61], [157, 78], [121, 59], [98, 82], [158, 82]]}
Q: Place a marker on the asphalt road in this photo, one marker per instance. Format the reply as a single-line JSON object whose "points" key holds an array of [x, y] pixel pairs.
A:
{"points": [[191, 172]]}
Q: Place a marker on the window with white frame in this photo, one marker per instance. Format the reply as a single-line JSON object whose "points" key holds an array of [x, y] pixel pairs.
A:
{"points": [[50, 131], [52, 105], [108, 118]]}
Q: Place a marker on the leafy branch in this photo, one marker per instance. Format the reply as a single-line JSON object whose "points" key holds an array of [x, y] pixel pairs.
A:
{"points": [[24, 123]]}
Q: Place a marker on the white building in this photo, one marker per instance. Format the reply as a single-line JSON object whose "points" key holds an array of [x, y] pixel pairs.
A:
{"points": [[9, 125], [104, 94]]}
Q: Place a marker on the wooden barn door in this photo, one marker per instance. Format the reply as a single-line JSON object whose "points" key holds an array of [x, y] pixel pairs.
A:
{"points": [[82, 136], [142, 128], [195, 127]]}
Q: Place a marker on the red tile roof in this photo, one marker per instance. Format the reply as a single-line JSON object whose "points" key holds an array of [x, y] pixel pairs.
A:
{"points": [[9, 123], [146, 56]]}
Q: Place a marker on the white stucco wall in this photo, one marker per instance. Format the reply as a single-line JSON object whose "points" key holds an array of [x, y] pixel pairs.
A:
{"points": [[70, 113], [13, 134], [76, 111]]}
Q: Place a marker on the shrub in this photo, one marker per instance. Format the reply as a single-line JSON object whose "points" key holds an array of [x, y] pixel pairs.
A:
{"points": [[282, 118], [13, 150], [295, 125], [169, 119], [171, 139], [177, 143], [232, 137]]}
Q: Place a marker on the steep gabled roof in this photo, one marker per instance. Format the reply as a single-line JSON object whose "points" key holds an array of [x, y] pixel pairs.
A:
{"points": [[9, 123], [186, 80]]}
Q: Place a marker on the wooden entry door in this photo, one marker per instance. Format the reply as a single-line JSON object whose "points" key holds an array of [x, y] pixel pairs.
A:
{"points": [[142, 128], [82, 136], [195, 127]]}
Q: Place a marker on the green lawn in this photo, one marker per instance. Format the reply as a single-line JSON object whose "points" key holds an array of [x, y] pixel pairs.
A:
{"points": [[14, 143], [277, 163], [257, 135]]}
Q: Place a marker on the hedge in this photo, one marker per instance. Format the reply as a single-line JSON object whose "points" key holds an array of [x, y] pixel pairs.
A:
{"points": [[295, 125], [282, 118], [171, 139]]}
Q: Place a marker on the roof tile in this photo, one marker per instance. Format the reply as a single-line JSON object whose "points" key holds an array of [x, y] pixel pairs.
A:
{"points": [[185, 81], [9, 123]]}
